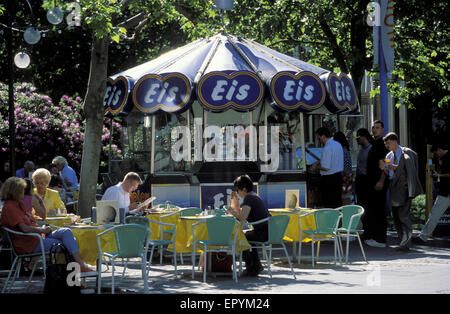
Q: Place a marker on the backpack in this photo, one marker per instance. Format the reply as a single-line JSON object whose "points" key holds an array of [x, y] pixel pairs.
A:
{"points": [[56, 273]]}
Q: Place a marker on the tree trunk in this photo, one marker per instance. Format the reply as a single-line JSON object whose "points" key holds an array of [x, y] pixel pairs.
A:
{"points": [[94, 113]]}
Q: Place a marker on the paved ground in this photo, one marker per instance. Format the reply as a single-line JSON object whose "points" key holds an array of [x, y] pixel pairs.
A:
{"points": [[425, 269]]}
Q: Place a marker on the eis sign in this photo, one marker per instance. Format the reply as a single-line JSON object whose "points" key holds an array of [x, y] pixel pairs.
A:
{"points": [[169, 92], [297, 91], [220, 91]]}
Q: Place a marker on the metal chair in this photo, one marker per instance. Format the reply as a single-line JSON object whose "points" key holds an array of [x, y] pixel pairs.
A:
{"points": [[190, 211], [18, 258], [326, 221], [277, 228], [351, 215], [163, 240], [132, 240], [220, 230]]}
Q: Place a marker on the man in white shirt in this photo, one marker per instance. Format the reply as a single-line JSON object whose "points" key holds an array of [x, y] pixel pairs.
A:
{"points": [[121, 192], [331, 166]]}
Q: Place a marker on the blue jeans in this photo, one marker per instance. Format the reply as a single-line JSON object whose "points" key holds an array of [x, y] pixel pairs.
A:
{"points": [[62, 235]]}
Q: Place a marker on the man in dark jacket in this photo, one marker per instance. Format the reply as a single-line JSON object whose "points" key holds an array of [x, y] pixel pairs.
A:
{"points": [[401, 166]]}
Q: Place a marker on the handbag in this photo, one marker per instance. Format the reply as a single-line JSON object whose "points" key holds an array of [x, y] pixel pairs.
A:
{"points": [[56, 273], [221, 262]]}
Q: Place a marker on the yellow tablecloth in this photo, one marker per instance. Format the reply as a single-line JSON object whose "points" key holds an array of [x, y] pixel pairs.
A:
{"points": [[87, 242], [156, 228], [293, 229], [184, 238], [60, 221]]}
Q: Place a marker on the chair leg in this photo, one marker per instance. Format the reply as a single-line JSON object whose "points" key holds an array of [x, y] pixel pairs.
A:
{"points": [[299, 249], [99, 278], [289, 260], [31, 275], [339, 238], [193, 261], [144, 272], [175, 259], [9, 274], [150, 261], [347, 248], [267, 260], [124, 268], [362, 250], [112, 275], [312, 249], [204, 264], [234, 264], [318, 249]]}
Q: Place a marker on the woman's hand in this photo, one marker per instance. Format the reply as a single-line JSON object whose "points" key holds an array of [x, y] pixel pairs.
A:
{"points": [[46, 229]]}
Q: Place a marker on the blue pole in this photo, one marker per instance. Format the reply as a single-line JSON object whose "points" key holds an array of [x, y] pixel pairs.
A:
{"points": [[383, 87]]}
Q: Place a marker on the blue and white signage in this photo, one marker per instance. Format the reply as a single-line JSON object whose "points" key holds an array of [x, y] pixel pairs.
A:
{"points": [[116, 95], [219, 91], [169, 92], [218, 194], [342, 94], [302, 91]]}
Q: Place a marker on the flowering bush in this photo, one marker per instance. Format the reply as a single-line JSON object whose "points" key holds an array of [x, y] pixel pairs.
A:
{"points": [[45, 129]]}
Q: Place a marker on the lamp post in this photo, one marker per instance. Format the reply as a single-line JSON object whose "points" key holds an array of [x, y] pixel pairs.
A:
{"points": [[9, 48]]}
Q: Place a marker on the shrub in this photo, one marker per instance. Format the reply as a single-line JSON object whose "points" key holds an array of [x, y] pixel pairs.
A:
{"points": [[44, 129]]}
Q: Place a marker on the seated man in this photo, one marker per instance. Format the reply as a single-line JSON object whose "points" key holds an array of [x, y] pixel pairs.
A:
{"points": [[121, 192], [28, 167], [67, 173]]}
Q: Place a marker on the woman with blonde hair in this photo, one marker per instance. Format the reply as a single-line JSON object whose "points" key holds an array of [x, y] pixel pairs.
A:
{"points": [[16, 217], [41, 180]]}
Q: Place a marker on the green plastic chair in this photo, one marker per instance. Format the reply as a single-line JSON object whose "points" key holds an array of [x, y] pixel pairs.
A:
{"points": [[220, 231], [144, 221], [18, 258], [277, 228], [132, 240], [326, 221], [351, 215]]}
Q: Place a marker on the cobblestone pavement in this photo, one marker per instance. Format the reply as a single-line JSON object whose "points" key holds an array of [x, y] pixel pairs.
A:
{"points": [[425, 269]]}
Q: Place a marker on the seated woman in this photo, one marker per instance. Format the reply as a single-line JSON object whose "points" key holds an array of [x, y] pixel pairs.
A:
{"points": [[253, 209], [16, 217], [33, 202], [41, 180]]}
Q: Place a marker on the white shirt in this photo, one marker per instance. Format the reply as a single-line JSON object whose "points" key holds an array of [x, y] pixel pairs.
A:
{"points": [[332, 158], [117, 193]]}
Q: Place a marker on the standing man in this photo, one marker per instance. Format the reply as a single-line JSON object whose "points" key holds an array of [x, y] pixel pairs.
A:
{"points": [[331, 166], [443, 198], [374, 219], [121, 192], [362, 185], [401, 165]]}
